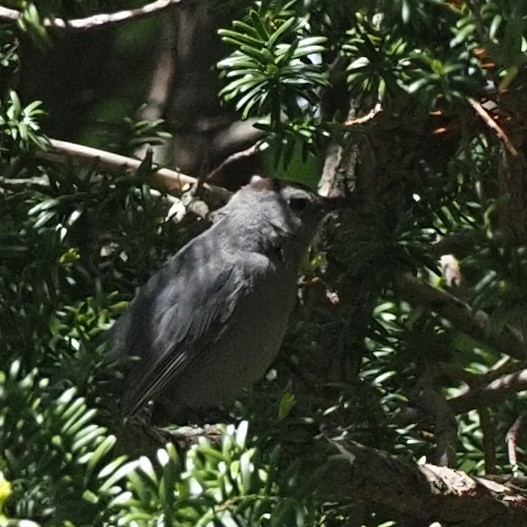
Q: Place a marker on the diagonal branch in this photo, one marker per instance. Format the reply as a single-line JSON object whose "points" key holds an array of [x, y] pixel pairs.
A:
{"points": [[460, 314], [65, 152], [170, 181], [491, 123], [492, 393], [220, 174], [96, 21], [365, 118]]}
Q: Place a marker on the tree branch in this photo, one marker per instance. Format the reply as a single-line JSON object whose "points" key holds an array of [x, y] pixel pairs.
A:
{"points": [[219, 175], [163, 179], [9, 14], [491, 123], [96, 21], [512, 438], [424, 493], [461, 316], [491, 393]]}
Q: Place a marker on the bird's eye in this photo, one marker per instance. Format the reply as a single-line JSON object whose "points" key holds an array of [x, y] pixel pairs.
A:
{"points": [[298, 204]]}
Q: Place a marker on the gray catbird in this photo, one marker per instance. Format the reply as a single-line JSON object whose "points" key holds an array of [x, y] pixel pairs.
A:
{"points": [[212, 319]]}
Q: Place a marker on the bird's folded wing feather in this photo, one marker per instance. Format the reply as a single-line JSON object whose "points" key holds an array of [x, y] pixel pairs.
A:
{"points": [[174, 318]]}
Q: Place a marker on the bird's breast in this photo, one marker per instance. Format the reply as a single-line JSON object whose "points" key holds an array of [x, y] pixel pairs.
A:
{"points": [[245, 347]]}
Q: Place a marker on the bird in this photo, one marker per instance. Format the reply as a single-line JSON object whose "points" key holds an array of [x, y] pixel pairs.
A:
{"points": [[212, 319]]}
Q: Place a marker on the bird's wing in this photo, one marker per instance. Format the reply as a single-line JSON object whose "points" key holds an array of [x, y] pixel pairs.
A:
{"points": [[172, 321]]}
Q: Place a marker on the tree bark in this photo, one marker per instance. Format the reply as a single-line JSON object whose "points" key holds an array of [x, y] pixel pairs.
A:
{"points": [[420, 494]]}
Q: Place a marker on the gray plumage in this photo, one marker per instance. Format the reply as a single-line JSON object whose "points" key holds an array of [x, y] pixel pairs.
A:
{"points": [[212, 319]]}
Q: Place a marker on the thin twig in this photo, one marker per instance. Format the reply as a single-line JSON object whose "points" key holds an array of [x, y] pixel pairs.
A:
{"points": [[248, 152], [218, 171], [96, 21], [491, 123], [365, 118]]}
